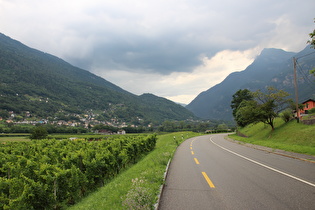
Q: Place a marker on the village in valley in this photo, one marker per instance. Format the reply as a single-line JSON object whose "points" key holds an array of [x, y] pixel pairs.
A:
{"points": [[86, 121]]}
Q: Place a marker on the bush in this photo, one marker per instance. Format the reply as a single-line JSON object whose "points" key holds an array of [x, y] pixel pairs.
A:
{"points": [[286, 115], [138, 197], [39, 133]]}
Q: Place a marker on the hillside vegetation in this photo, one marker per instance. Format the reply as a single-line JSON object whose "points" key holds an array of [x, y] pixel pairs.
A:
{"points": [[44, 86], [291, 136]]}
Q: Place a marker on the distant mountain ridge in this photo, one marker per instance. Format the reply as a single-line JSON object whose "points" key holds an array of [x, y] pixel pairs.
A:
{"points": [[273, 67], [46, 85]]}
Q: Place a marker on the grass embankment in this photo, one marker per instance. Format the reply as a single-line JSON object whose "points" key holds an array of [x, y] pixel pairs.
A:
{"points": [[291, 136], [139, 186]]}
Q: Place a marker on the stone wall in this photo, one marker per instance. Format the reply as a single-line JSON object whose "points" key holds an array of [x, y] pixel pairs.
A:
{"points": [[308, 122]]}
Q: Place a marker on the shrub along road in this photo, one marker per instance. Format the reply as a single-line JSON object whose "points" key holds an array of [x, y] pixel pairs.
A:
{"points": [[209, 172]]}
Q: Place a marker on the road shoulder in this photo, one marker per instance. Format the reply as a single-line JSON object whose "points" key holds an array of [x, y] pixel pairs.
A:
{"points": [[304, 157]]}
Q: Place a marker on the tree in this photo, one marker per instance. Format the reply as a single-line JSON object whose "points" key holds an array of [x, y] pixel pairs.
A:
{"points": [[237, 99], [264, 108], [312, 36], [312, 42], [4, 114], [39, 132], [222, 126], [245, 113], [286, 115], [292, 106]]}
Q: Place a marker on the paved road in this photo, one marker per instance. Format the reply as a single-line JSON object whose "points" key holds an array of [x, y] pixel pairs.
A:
{"points": [[209, 172]]}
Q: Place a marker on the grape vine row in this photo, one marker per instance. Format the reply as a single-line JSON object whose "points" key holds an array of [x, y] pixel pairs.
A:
{"points": [[51, 174]]}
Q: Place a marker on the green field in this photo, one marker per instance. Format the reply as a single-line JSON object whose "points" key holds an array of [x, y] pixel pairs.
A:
{"points": [[25, 137], [13, 137], [291, 136]]}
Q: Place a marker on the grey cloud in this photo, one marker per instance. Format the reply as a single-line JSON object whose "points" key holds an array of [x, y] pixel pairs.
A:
{"points": [[163, 55], [121, 42], [158, 36]]}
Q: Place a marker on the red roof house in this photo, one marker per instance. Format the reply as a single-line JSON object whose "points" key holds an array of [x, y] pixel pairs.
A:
{"points": [[309, 104]]}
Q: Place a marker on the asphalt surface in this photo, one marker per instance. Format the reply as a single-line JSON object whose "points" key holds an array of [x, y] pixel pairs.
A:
{"points": [[210, 172]]}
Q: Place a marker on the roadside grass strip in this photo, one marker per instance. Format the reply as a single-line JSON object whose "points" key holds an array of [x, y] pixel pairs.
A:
{"points": [[291, 136]]}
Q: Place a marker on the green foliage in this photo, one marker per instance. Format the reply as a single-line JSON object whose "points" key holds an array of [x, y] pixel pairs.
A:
{"points": [[105, 127], [39, 132], [138, 197], [195, 126], [311, 111], [222, 126], [52, 174], [265, 108], [286, 115], [312, 36], [4, 114], [246, 113], [312, 43], [238, 98]]}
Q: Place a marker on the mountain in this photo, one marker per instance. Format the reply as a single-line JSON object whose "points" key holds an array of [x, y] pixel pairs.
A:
{"points": [[273, 67], [44, 85]]}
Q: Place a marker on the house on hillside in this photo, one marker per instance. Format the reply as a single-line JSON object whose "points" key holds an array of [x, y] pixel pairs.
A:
{"points": [[121, 132], [308, 104]]}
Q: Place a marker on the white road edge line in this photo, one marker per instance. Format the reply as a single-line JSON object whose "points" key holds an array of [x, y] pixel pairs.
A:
{"points": [[263, 165]]}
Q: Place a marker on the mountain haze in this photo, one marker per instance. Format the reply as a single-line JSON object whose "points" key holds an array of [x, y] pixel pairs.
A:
{"points": [[45, 85], [273, 67]]}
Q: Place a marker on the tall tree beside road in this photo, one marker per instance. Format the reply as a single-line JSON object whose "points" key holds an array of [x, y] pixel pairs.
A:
{"points": [[264, 108], [246, 113], [237, 99]]}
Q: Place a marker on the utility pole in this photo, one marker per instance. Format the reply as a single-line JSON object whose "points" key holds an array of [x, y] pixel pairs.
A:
{"points": [[296, 92]]}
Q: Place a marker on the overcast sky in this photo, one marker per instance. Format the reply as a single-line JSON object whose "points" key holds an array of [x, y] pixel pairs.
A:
{"points": [[171, 48]]}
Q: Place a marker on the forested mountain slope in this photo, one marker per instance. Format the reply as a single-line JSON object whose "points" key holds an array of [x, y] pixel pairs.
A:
{"points": [[44, 85], [273, 67]]}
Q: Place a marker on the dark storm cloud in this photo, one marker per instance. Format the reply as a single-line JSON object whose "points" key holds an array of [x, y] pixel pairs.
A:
{"points": [[161, 55]]}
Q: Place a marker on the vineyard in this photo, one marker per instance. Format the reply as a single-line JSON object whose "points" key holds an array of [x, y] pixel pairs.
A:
{"points": [[52, 174]]}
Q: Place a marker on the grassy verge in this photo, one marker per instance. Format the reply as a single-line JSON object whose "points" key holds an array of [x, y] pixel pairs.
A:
{"points": [[137, 187], [4, 138], [291, 136]]}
